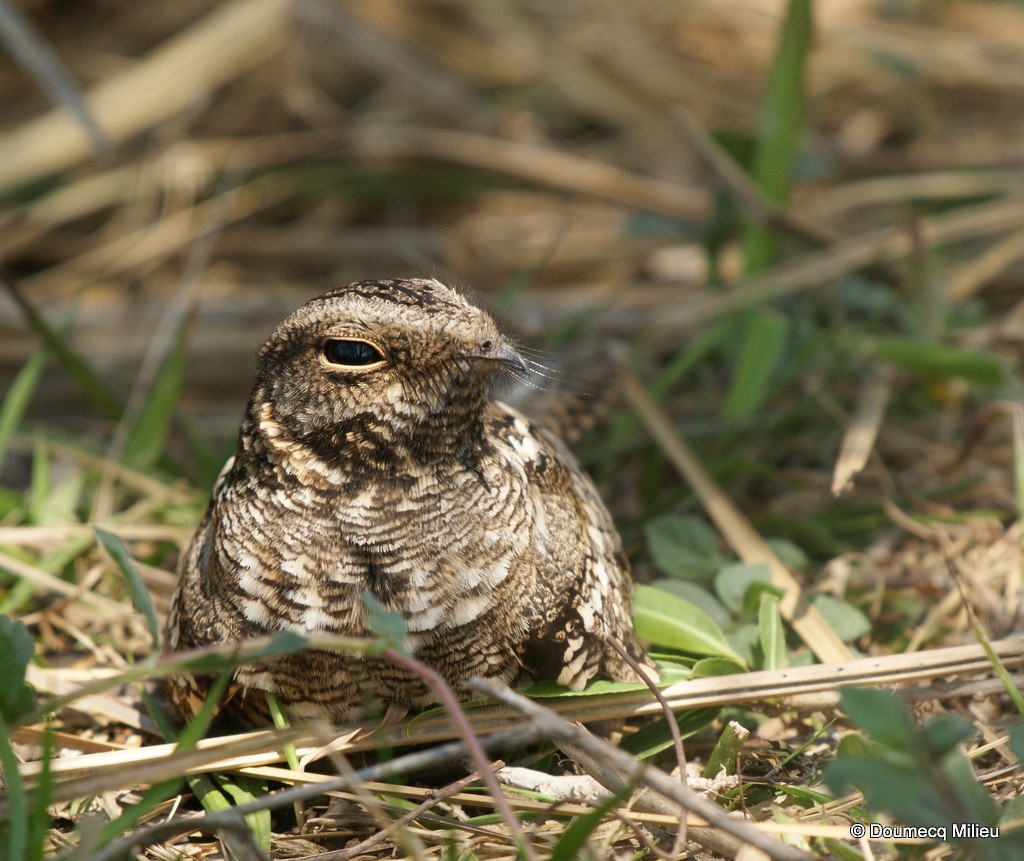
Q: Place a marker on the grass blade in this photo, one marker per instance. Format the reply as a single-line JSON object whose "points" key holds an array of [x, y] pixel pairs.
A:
{"points": [[778, 141], [18, 397], [771, 634], [932, 359], [148, 435], [764, 339], [91, 385], [140, 594]]}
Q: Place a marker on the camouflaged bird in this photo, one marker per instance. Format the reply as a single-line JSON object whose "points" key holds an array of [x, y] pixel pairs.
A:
{"points": [[372, 458]]}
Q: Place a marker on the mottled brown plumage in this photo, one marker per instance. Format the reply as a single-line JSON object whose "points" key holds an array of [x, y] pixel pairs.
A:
{"points": [[372, 457]]}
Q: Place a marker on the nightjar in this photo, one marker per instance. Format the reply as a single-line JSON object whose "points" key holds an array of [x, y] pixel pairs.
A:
{"points": [[373, 458]]}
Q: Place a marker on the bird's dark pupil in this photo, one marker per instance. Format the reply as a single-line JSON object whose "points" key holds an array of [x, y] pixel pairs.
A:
{"points": [[351, 353]]}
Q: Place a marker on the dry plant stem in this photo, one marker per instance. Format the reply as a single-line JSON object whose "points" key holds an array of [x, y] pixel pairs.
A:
{"points": [[860, 436], [447, 698], [542, 165], [34, 54], [560, 730], [818, 268], [230, 40], [740, 533], [751, 198], [181, 308], [96, 773], [677, 738], [382, 835], [968, 279], [47, 581], [365, 45], [408, 764], [406, 840]]}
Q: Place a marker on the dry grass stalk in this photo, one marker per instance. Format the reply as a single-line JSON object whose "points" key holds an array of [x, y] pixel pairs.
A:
{"points": [[230, 41]]}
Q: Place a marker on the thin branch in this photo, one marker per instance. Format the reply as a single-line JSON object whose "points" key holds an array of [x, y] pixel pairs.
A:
{"points": [[560, 730], [677, 738], [382, 835], [33, 53], [451, 704], [408, 764]]}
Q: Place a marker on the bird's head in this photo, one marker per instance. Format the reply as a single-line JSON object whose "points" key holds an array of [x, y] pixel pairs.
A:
{"points": [[379, 370]]}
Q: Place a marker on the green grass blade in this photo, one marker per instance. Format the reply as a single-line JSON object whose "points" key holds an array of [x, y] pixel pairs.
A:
{"points": [[14, 833], [780, 128], [136, 588], [39, 822], [570, 845], [764, 340], [771, 633], [194, 730], [18, 397], [931, 359], [148, 435], [91, 385]]}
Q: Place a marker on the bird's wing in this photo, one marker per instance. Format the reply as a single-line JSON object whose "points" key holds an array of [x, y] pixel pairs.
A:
{"points": [[581, 600]]}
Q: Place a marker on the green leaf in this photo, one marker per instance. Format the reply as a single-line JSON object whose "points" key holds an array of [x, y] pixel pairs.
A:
{"points": [[148, 435], [847, 621], [136, 588], [657, 736], [1017, 739], [670, 674], [772, 634], [790, 554], [732, 582], [882, 715], [696, 595], [672, 622], [683, 547], [16, 650], [15, 838], [944, 732], [763, 337], [707, 668], [931, 359], [242, 790], [387, 625]]}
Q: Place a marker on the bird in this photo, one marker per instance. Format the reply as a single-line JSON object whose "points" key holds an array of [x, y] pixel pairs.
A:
{"points": [[374, 458]]}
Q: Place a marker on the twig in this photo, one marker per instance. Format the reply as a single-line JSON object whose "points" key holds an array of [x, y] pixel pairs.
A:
{"points": [[228, 41], [740, 533], [859, 439], [542, 165], [818, 268], [754, 201], [751, 199], [451, 704], [34, 54], [677, 739], [382, 835], [560, 730], [286, 797]]}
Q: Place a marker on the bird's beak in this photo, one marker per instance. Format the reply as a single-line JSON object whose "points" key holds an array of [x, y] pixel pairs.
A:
{"points": [[506, 355]]}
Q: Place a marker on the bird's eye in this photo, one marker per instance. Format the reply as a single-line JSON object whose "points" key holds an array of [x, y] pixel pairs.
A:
{"points": [[351, 353]]}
